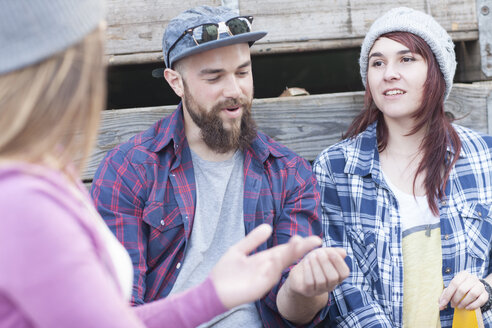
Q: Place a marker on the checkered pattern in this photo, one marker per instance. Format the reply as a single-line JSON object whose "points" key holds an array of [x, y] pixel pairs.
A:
{"points": [[360, 214], [145, 191]]}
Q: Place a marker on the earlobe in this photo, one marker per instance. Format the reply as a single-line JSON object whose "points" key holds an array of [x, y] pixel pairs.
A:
{"points": [[175, 80]]}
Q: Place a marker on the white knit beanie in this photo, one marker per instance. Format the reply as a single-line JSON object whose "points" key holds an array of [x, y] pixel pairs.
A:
{"points": [[425, 26], [32, 30]]}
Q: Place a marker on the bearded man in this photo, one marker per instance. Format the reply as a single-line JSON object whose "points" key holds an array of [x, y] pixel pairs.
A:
{"points": [[180, 194]]}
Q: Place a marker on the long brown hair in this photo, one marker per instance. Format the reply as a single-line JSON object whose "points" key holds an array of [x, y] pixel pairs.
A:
{"points": [[440, 134], [52, 108]]}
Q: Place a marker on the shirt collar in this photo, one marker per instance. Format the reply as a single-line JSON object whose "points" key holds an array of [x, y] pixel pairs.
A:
{"points": [[169, 129], [362, 156], [263, 146], [172, 129], [361, 153]]}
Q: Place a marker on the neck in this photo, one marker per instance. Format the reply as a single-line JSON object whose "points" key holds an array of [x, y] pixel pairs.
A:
{"points": [[399, 140], [401, 159], [204, 152]]}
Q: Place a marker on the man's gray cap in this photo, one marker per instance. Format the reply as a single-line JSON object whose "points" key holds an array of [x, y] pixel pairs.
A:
{"points": [[194, 17], [33, 30], [404, 19]]}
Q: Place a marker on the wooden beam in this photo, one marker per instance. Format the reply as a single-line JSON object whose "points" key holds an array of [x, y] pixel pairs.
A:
{"points": [[484, 13], [306, 124], [135, 27], [274, 48]]}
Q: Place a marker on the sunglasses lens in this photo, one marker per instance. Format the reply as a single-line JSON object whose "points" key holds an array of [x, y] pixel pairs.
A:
{"points": [[205, 33], [239, 25]]}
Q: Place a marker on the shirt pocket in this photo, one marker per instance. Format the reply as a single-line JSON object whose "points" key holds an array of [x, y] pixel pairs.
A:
{"points": [[162, 217], [477, 220], [364, 249]]}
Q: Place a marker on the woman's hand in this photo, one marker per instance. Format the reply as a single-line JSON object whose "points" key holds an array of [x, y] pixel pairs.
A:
{"points": [[464, 291], [239, 278]]}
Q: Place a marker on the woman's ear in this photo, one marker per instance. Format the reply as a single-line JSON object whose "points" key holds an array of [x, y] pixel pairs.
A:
{"points": [[175, 80]]}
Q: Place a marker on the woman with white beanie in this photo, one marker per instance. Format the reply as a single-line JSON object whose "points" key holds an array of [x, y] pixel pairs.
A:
{"points": [[60, 265], [408, 194]]}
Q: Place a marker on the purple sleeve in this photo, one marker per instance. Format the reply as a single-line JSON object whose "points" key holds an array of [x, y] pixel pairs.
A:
{"points": [[188, 309], [52, 274], [50, 269]]}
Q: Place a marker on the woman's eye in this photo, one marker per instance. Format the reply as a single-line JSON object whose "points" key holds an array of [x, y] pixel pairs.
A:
{"points": [[377, 63]]}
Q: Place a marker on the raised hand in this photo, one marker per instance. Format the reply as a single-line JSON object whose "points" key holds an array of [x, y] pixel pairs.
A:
{"points": [[240, 278]]}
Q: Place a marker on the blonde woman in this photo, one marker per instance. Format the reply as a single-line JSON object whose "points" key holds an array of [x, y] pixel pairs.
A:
{"points": [[60, 266]]}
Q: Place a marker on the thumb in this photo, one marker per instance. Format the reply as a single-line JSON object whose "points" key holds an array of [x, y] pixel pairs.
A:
{"points": [[255, 238], [298, 247]]}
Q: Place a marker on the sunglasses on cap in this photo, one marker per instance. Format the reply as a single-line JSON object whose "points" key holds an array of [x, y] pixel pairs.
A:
{"points": [[211, 31]]}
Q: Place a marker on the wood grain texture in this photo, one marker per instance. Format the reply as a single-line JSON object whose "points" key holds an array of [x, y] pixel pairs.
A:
{"points": [[306, 124], [135, 27]]}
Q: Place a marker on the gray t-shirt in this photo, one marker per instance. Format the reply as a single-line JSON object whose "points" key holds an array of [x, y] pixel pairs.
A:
{"points": [[218, 224]]}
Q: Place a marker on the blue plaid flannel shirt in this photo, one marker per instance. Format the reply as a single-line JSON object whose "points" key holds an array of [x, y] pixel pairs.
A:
{"points": [[360, 214]]}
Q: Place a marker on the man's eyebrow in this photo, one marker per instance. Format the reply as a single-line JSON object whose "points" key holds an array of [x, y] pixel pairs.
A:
{"points": [[246, 64], [206, 71]]}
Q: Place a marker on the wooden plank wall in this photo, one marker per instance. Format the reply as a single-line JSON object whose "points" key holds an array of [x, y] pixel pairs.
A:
{"points": [[306, 124], [135, 27]]}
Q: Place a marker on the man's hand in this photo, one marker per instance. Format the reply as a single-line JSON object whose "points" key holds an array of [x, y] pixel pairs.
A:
{"points": [[319, 272], [464, 291], [239, 278], [306, 290]]}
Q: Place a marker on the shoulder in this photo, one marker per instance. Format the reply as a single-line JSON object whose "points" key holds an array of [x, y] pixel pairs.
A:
{"points": [[276, 153], [473, 141], [26, 183], [334, 157], [355, 154], [143, 147], [36, 204]]}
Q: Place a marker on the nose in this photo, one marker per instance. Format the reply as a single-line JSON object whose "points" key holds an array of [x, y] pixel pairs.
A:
{"points": [[232, 88], [391, 72]]}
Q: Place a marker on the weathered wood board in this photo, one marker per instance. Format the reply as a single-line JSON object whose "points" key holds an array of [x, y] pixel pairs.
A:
{"points": [[306, 124], [135, 27]]}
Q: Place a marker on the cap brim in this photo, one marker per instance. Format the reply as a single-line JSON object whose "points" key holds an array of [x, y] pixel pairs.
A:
{"points": [[250, 38], [228, 41]]}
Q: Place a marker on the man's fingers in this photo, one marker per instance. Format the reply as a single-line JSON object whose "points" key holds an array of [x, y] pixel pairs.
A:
{"points": [[303, 245], [334, 267], [308, 274], [340, 266], [341, 251], [255, 238], [296, 248]]}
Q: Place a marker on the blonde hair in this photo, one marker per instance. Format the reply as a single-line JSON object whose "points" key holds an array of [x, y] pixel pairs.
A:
{"points": [[51, 110]]}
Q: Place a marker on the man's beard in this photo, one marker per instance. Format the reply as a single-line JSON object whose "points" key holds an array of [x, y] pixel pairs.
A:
{"points": [[213, 133]]}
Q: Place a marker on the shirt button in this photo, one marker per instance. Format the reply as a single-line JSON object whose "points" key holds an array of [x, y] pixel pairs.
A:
{"points": [[178, 265], [480, 214], [443, 203], [448, 270], [162, 222], [446, 236]]}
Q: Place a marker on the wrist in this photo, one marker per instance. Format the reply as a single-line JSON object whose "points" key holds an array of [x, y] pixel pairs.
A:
{"points": [[488, 289]]}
